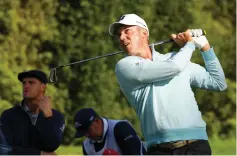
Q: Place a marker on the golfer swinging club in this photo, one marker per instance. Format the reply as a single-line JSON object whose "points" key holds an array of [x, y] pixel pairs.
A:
{"points": [[159, 86]]}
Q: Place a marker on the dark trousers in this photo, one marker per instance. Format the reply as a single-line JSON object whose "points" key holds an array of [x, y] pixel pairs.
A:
{"points": [[199, 147]]}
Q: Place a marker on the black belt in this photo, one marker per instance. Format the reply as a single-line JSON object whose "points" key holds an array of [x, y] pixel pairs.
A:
{"points": [[172, 145]]}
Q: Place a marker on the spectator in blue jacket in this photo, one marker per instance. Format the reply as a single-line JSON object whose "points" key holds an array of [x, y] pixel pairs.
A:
{"points": [[33, 127], [159, 86], [106, 136], [4, 147]]}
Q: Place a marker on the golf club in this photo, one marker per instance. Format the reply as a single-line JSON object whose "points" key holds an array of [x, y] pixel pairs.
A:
{"points": [[53, 73]]}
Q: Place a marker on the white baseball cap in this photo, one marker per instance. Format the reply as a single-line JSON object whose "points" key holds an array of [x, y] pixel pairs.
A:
{"points": [[128, 19]]}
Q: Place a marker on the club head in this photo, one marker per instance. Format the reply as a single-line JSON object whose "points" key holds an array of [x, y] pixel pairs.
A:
{"points": [[53, 76]]}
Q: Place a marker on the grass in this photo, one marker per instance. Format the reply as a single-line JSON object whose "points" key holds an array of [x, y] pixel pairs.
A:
{"points": [[223, 147], [219, 147], [69, 150]]}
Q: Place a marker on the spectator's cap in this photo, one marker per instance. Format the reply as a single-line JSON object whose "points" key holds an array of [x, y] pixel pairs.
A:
{"points": [[35, 74], [83, 120], [127, 19]]}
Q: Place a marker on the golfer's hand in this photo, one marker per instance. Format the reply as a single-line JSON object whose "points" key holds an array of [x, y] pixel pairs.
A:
{"points": [[182, 38], [202, 43], [196, 32], [45, 106], [47, 153]]}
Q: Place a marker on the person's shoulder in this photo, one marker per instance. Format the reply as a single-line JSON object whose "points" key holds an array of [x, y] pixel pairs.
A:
{"points": [[117, 120], [126, 62], [129, 59], [11, 112], [122, 124], [86, 142], [122, 128], [57, 113]]}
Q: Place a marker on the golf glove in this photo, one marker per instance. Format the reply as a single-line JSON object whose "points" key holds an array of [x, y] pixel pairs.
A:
{"points": [[196, 32], [200, 41]]}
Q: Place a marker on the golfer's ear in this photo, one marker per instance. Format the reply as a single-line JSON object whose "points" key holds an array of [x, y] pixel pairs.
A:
{"points": [[144, 32], [43, 87]]}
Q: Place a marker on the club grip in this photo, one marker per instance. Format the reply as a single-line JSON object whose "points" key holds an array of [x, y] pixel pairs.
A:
{"points": [[192, 33]]}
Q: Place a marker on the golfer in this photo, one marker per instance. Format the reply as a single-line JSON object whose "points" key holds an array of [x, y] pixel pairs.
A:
{"points": [[159, 86]]}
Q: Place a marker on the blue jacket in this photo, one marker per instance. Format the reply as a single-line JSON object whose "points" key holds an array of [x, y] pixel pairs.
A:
{"points": [[161, 93], [4, 147], [28, 139]]}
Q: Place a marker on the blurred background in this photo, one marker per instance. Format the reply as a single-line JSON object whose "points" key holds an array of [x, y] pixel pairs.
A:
{"points": [[48, 33]]}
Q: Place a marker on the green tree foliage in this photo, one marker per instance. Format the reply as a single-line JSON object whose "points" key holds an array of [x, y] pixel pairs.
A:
{"points": [[25, 28], [45, 34]]}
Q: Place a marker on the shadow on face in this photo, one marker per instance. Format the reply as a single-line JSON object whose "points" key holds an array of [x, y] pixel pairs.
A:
{"points": [[95, 131]]}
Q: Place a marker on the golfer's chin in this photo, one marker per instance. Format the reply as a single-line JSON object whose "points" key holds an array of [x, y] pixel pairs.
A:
{"points": [[129, 51], [28, 97], [126, 48], [95, 138]]}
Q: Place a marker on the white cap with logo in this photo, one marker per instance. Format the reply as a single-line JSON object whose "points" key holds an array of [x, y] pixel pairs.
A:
{"points": [[128, 19]]}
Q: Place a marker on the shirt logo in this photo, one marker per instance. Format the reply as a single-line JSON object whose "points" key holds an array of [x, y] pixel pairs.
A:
{"points": [[128, 137], [62, 128], [91, 118]]}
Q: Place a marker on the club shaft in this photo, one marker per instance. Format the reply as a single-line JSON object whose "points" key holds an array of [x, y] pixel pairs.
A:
{"points": [[110, 54], [90, 59], [162, 42]]}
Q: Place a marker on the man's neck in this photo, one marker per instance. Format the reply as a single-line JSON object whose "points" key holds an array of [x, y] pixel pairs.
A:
{"points": [[145, 52], [33, 105]]}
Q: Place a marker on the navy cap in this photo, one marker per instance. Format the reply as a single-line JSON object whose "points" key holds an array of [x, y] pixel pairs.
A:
{"points": [[35, 74], [83, 120]]}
